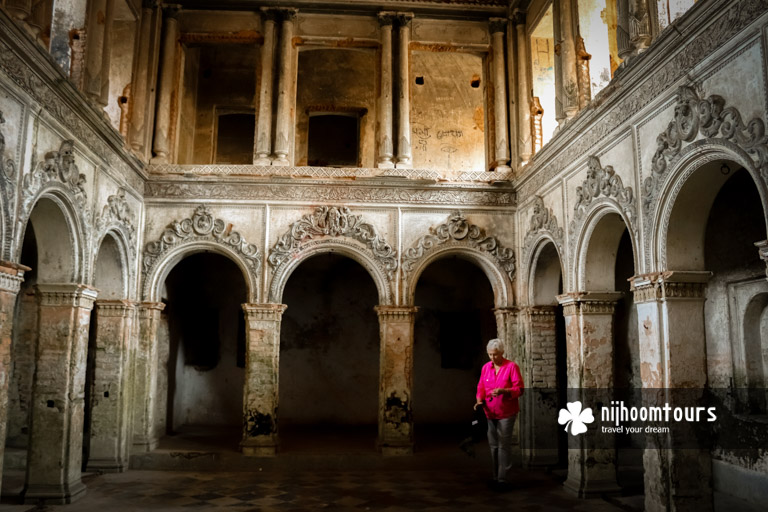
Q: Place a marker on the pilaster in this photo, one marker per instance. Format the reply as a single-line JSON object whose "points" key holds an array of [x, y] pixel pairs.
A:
{"points": [[110, 400], [145, 377], [56, 430], [262, 363], [589, 341], [396, 379]]}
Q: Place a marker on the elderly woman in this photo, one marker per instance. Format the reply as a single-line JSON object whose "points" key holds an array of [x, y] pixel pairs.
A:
{"points": [[497, 392]]}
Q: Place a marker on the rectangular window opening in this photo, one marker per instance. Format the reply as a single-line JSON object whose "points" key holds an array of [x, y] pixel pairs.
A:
{"points": [[334, 140]]}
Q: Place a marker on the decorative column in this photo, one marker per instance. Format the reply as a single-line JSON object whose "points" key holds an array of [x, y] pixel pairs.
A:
{"points": [[396, 379], [511, 81], [286, 100], [19, 9], [68, 35], [639, 25], [672, 339], [523, 91], [262, 364], [165, 97], [109, 403], [386, 147], [497, 28], [540, 399], [144, 78], [589, 342], [263, 146], [404, 158], [11, 277], [145, 378], [585, 80], [568, 55], [97, 51], [762, 248], [56, 430]]}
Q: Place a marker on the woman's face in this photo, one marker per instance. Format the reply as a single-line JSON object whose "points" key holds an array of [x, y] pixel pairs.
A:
{"points": [[496, 356]]}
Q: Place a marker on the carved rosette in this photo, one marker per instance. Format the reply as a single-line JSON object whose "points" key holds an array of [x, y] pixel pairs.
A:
{"points": [[709, 118], [201, 226], [459, 229], [543, 221], [333, 221], [117, 213], [601, 182], [58, 168]]}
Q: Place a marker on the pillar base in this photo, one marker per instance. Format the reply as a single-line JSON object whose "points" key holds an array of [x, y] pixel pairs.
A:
{"points": [[159, 159], [106, 466], [61, 494], [404, 164], [385, 164], [259, 448], [144, 446], [281, 161], [262, 161], [592, 489], [395, 449]]}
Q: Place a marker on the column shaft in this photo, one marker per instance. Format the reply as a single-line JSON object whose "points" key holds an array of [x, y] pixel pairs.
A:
{"points": [[96, 73], [396, 379], [145, 378], [11, 277], [512, 81], [523, 93], [56, 437], [672, 338], [404, 158], [568, 51], [109, 401], [285, 98], [386, 147], [501, 144], [68, 36], [165, 109], [262, 363], [144, 78], [263, 147], [589, 339]]}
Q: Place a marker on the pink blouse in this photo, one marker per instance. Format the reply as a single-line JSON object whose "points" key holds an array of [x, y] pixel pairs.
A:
{"points": [[501, 406]]}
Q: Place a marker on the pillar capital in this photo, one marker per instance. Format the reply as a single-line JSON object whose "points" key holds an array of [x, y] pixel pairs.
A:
{"points": [[396, 313], [497, 25], [287, 14], [146, 309], [386, 17], [171, 11], [270, 14], [264, 312], [762, 248], [74, 295], [541, 310], [116, 308], [670, 284], [517, 17], [11, 276], [589, 303], [404, 18]]}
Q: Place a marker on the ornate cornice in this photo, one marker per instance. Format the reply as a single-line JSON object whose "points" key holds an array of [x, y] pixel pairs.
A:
{"points": [[264, 312], [332, 221], [709, 118], [643, 85], [458, 229], [150, 309], [660, 286], [601, 182], [541, 311], [200, 227], [315, 193], [11, 282], [589, 303], [117, 212], [115, 308], [70, 295]]}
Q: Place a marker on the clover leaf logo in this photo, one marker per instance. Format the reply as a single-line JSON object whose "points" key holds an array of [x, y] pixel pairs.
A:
{"points": [[575, 417]]}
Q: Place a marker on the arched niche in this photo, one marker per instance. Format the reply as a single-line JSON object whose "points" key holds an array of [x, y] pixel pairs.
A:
{"points": [[598, 247], [110, 268], [59, 245], [545, 279], [339, 246]]}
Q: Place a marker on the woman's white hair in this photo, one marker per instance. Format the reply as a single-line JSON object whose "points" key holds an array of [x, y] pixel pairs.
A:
{"points": [[496, 344]]}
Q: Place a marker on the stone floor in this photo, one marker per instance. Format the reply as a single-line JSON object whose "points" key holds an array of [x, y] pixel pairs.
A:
{"points": [[200, 470]]}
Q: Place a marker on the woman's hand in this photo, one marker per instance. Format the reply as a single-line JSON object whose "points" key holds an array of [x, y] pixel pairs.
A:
{"points": [[499, 391], [479, 403]]}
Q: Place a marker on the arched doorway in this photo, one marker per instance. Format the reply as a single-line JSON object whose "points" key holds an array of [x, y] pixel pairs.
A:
{"points": [[329, 356], [454, 323], [544, 443], [201, 351]]}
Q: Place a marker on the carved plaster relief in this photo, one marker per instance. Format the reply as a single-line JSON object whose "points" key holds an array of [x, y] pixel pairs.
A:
{"points": [[117, 213], [7, 186], [709, 118], [333, 221], [459, 229], [543, 223], [57, 167]]}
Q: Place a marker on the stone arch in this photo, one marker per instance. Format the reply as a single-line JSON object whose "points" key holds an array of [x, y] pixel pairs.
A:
{"points": [[544, 260], [53, 213], [694, 176], [596, 247], [337, 230], [283, 271], [111, 267], [201, 232]]}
